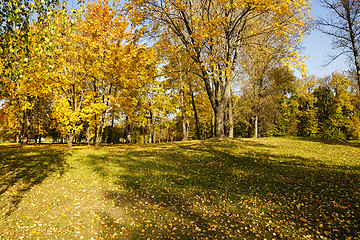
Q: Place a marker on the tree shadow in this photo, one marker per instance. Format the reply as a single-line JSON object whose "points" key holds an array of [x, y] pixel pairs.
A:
{"points": [[204, 191], [23, 168], [329, 141]]}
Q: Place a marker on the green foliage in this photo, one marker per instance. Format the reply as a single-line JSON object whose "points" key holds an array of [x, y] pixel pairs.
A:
{"points": [[308, 122], [335, 111], [15, 27], [321, 107], [287, 124]]}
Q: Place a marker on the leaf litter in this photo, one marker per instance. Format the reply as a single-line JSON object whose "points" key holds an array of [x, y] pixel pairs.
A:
{"points": [[237, 189]]}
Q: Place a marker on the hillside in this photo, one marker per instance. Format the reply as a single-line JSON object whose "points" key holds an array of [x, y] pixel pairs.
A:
{"points": [[235, 189]]}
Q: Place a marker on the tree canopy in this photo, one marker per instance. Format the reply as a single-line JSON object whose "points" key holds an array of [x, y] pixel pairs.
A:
{"points": [[151, 71]]}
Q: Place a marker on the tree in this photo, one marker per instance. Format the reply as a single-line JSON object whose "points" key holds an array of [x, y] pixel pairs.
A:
{"points": [[343, 25], [284, 105], [215, 33], [265, 75], [183, 84], [15, 31], [105, 44], [335, 110], [28, 81], [307, 117], [25, 52], [100, 66]]}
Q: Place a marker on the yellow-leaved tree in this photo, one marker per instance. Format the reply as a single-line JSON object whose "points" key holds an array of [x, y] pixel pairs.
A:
{"points": [[100, 64], [27, 83], [215, 33]]}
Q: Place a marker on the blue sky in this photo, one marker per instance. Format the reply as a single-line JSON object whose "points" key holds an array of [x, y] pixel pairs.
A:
{"points": [[317, 48]]}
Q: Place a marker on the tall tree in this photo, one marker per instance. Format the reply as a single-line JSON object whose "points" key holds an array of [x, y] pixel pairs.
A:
{"points": [[343, 25], [105, 44], [25, 52], [215, 33], [335, 110], [183, 84], [28, 82]]}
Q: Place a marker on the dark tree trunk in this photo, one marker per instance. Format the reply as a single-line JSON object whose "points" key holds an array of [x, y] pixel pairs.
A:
{"points": [[151, 128], [111, 131], [25, 124], [195, 115], [88, 135], [95, 130], [231, 119], [101, 129], [212, 124], [353, 38], [185, 124]]}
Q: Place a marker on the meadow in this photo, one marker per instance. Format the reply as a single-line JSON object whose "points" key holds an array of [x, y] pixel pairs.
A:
{"points": [[268, 188]]}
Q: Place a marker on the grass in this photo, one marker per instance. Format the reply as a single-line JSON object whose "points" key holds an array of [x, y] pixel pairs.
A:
{"points": [[273, 188]]}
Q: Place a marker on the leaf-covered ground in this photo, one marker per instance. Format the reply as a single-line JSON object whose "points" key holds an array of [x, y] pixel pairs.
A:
{"points": [[271, 188]]}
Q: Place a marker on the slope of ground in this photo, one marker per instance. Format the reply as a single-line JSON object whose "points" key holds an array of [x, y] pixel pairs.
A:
{"points": [[269, 188]]}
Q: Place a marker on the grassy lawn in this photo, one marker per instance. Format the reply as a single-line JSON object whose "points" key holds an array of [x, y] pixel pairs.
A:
{"points": [[273, 188]]}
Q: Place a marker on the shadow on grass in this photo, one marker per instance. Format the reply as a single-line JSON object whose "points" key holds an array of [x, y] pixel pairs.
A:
{"points": [[328, 141], [23, 168], [204, 191]]}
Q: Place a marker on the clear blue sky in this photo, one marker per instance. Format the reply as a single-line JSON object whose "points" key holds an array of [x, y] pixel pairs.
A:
{"points": [[317, 48]]}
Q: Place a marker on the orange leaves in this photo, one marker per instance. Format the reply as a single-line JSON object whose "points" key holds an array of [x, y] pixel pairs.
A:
{"points": [[101, 67]]}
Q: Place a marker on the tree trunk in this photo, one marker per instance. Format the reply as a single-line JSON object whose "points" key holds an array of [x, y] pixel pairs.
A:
{"points": [[24, 134], [127, 130], [219, 121], [195, 115], [183, 115], [101, 129], [151, 128], [185, 126], [154, 137], [70, 139], [256, 125], [218, 95], [231, 119], [357, 66], [213, 124], [97, 140], [88, 135], [95, 130], [143, 133], [111, 131], [168, 135], [353, 43]]}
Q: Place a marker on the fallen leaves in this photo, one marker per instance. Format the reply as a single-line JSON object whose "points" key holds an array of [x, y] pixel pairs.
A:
{"points": [[204, 190]]}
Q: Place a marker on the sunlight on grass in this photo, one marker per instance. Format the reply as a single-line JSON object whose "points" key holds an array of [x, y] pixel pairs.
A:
{"points": [[288, 188]]}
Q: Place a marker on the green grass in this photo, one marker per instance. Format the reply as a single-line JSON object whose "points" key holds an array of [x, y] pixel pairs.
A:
{"points": [[289, 188]]}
